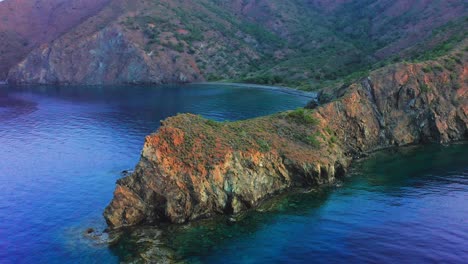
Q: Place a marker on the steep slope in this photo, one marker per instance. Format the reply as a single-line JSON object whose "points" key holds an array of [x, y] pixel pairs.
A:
{"points": [[390, 26], [195, 168], [176, 41], [299, 43], [25, 24], [144, 42]]}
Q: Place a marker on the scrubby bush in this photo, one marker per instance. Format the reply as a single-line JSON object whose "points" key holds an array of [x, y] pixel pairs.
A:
{"points": [[313, 140], [303, 116], [264, 146], [424, 88]]}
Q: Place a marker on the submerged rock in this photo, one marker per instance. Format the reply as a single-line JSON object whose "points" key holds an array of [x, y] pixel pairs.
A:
{"points": [[99, 238], [145, 245], [195, 168], [126, 173]]}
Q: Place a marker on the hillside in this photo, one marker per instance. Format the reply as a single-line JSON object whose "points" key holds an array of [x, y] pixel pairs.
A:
{"points": [[26, 24], [390, 26], [299, 43]]}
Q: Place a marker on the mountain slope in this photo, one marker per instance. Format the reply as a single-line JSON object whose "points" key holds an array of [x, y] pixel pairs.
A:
{"points": [[299, 43], [390, 26], [25, 24]]}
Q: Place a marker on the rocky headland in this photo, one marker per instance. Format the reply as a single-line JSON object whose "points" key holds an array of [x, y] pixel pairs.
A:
{"points": [[194, 168]]}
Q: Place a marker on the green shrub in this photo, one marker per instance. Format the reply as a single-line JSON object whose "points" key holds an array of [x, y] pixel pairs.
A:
{"points": [[313, 140], [264, 146], [438, 67], [457, 59], [450, 64], [424, 88], [213, 77], [303, 116], [264, 79], [195, 34], [427, 69], [261, 34], [213, 123]]}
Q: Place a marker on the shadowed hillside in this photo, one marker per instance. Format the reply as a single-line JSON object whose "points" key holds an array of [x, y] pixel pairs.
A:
{"points": [[25, 24], [299, 43]]}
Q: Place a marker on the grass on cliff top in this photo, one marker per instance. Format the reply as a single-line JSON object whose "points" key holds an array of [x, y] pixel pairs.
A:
{"points": [[293, 134], [297, 133]]}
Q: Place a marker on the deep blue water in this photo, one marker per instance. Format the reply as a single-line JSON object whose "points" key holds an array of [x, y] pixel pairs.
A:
{"points": [[63, 148]]}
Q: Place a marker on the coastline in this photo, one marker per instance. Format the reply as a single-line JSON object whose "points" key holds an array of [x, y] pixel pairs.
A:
{"points": [[193, 168], [284, 89]]}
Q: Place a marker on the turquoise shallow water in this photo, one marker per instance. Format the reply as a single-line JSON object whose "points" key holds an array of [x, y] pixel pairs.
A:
{"points": [[63, 148], [406, 206]]}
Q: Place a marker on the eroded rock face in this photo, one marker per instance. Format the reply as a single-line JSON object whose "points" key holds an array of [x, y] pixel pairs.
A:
{"points": [[189, 174], [194, 168], [97, 62], [25, 24]]}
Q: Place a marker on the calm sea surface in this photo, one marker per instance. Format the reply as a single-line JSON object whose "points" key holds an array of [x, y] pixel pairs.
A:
{"points": [[63, 148]]}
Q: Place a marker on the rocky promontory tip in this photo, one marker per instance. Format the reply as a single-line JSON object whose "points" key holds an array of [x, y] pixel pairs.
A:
{"points": [[195, 168]]}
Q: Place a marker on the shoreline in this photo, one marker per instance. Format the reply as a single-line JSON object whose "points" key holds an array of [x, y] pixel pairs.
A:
{"points": [[305, 147], [285, 89], [113, 236]]}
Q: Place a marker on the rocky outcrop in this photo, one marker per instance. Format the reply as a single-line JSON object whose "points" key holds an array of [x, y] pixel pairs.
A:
{"points": [[185, 175], [25, 24], [105, 57], [194, 168], [101, 50]]}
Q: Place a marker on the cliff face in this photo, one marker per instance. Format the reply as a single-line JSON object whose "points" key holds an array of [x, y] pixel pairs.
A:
{"points": [[194, 168], [99, 63], [141, 42], [25, 24]]}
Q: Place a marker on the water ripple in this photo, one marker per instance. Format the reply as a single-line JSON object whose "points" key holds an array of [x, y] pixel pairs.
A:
{"points": [[63, 148]]}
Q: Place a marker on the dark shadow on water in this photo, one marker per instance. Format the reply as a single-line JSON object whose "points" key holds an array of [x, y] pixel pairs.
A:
{"points": [[11, 107], [407, 166], [200, 238]]}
